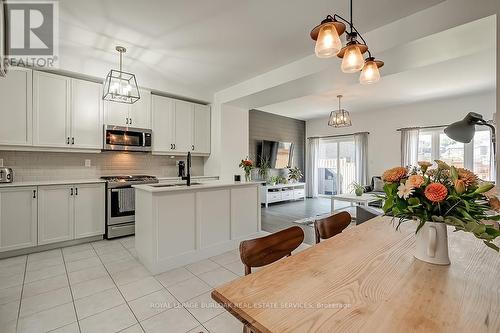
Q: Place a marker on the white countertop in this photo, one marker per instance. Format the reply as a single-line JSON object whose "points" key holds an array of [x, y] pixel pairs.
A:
{"points": [[178, 179], [51, 182], [156, 188]]}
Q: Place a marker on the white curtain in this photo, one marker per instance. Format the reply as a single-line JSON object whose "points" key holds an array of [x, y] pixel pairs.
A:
{"points": [[409, 147], [312, 167], [361, 157]]}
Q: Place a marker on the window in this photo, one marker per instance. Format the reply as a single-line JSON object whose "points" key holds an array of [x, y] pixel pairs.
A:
{"points": [[476, 156]]}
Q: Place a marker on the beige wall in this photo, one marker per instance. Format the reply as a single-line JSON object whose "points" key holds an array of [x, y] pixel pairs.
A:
{"points": [[50, 166]]}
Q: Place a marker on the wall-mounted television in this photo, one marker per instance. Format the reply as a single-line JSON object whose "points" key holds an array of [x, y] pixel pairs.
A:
{"points": [[278, 154]]}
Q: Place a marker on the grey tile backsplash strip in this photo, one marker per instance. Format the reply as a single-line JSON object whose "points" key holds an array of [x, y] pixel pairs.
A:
{"points": [[30, 166]]}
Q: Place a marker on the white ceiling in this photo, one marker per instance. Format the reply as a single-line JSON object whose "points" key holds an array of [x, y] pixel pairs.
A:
{"points": [[196, 48], [446, 64]]}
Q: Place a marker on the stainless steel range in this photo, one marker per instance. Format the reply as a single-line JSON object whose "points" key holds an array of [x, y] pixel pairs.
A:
{"points": [[120, 203]]}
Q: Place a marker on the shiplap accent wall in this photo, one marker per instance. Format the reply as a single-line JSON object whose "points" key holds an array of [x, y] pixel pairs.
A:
{"points": [[268, 126]]}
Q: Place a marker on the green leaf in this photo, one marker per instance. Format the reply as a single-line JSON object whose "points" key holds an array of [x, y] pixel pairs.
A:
{"points": [[484, 188], [491, 245], [413, 202], [453, 173]]}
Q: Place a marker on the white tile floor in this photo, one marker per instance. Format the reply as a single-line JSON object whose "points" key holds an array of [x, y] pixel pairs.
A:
{"points": [[101, 287]]}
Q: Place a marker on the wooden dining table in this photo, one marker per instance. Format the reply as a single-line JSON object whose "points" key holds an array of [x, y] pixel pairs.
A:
{"points": [[367, 280]]}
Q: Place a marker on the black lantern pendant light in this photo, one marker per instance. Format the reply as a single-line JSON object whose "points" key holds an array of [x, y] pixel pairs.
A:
{"points": [[120, 86], [328, 44]]}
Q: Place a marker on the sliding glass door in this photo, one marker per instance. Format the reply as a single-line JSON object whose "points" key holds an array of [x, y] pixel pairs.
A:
{"points": [[336, 165]]}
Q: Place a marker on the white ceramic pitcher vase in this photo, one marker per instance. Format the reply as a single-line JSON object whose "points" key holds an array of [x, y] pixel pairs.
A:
{"points": [[432, 244]]}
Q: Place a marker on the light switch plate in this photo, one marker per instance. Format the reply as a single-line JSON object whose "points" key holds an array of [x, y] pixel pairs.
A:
{"points": [[88, 163]]}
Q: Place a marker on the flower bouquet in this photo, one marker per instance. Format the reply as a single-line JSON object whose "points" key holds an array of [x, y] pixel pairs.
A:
{"points": [[247, 166], [438, 197]]}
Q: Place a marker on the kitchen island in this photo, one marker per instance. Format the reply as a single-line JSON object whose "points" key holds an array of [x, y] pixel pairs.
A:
{"points": [[177, 224]]}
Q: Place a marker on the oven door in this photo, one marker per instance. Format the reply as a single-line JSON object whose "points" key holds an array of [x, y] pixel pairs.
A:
{"points": [[127, 139], [121, 205]]}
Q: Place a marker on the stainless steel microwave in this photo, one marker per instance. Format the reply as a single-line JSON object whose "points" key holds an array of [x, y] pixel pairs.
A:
{"points": [[127, 138]]}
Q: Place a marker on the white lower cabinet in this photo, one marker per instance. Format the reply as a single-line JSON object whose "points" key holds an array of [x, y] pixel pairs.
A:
{"points": [[67, 212], [55, 214], [18, 218], [89, 210]]}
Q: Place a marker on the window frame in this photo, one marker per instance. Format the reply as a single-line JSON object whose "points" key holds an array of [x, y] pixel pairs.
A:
{"points": [[468, 147]]}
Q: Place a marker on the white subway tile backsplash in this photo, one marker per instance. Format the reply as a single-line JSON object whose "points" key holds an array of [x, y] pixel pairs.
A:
{"points": [[30, 166]]}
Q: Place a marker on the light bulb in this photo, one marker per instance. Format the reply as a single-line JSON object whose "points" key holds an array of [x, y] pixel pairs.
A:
{"points": [[370, 73], [353, 59], [328, 43]]}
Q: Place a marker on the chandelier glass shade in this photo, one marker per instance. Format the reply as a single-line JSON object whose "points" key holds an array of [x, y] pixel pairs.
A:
{"points": [[120, 86], [370, 73], [340, 117], [328, 43], [352, 61]]}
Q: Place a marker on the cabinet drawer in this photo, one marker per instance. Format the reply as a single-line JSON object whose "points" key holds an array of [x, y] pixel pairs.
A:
{"points": [[287, 195], [300, 193], [274, 196]]}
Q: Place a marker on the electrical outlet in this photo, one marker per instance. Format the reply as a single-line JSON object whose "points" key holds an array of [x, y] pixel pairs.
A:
{"points": [[88, 163], [1, 162]]}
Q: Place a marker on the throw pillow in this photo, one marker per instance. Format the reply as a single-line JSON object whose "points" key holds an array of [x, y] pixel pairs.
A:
{"points": [[378, 185]]}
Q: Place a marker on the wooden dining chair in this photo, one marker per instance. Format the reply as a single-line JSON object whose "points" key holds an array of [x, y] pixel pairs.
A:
{"points": [[331, 226], [265, 250]]}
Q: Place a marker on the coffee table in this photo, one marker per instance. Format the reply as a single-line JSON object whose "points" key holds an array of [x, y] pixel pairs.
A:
{"points": [[363, 199]]}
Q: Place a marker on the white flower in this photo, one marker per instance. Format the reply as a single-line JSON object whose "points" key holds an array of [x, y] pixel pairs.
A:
{"points": [[404, 191]]}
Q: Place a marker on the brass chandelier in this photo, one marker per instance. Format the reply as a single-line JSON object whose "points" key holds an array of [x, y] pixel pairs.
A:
{"points": [[328, 44]]}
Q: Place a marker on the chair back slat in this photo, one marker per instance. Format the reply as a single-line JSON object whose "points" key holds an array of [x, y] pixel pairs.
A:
{"points": [[331, 226], [263, 251]]}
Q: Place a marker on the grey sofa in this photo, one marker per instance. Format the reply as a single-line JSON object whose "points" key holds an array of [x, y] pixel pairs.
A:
{"points": [[372, 190]]}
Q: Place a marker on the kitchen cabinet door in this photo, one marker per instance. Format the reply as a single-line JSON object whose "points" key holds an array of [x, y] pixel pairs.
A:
{"points": [[51, 110], [18, 217], [140, 111], [201, 144], [89, 210], [55, 214], [184, 120], [16, 111], [163, 121], [116, 113], [86, 119]]}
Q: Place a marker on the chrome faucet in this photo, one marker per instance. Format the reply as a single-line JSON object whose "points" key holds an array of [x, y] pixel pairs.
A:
{"points": [[187, 178]]}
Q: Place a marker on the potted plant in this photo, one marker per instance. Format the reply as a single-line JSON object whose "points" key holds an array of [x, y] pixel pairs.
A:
{"points": [[357, 189], [437, 198], [247, 166], [264, 168], [294, 174]]}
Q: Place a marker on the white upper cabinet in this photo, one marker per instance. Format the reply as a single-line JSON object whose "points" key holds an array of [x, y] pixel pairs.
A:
{"points": [[202, 123], [180, 127], [163, 116], [18, 217], [86, 116], [184, 121], [16, 110], [140, 111], [116, 114], [130, 115], [51, 110], [66, 112]]}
